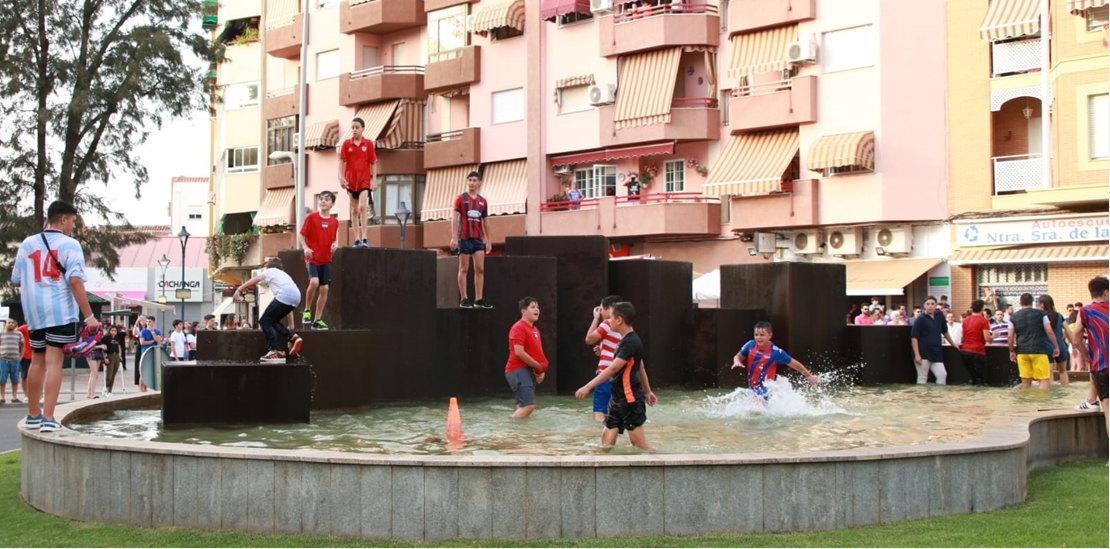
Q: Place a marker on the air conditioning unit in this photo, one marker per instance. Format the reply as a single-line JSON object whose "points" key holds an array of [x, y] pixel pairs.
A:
{"points": [[802, 51], [470, 22], [806, 242], [896, 240], [606, 95], [845, 242], [562, 169], [601, 6], [296, 140]]}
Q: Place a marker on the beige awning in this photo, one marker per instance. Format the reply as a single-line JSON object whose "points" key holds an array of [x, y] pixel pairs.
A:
{"points": [[884, 276], [322, 135], [505, 186], [504, 14], [572, 81], [752, 164], [1080, 7], [277, 208], [840, 150], [761, 51], [219, 310], [407, 126], [377, 117], [1010, 19], [646, 88], [280, 13], [440, 189], [1038, 254]]}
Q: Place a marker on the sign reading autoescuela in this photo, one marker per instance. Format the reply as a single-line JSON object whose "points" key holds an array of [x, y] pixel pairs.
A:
{"points": [[1003, 232]]}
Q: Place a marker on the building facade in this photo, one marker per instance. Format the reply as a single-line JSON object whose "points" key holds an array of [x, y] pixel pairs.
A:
{"points": [[189, 205]]}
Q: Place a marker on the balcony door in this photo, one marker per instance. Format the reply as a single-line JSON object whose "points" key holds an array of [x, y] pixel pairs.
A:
{"points": [[369, 57], [1036, 144]]}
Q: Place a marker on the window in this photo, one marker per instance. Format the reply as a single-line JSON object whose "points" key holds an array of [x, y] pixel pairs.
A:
{"points": [[1098, 112], [398, 54], [725, 103], [196, 212], [395, 189], [327, 65], [447, 33], [722, 12], [508, 106], [241, 96], [674, 175], [1097, 17], [848, 49], [328, 3], [1010, 281], [574, 99], [596, 181], [242, 160], [279, 137], [574, 17]]}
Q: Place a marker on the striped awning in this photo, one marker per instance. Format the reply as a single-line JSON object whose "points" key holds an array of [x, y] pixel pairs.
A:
{"points": [[1010, 19], [440, 189], [550, 10], [503, 14], [322, 135], [646, 88], [377, 117], [505, 186], [1029, 254], [752, 164], [280, 13], [1080, 7], [844, 149], [572, 81], [407, 125], [615, 153], [277, 208], [761, 51]]}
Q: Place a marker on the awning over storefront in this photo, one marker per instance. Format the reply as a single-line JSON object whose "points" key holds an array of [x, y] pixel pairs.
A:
{"points": [[505, 186], [503, 14], [219, 310], [552, 9], [1010, 19], [407, 126], [441, 187], [1080, 7], [614, 154], [377, 117], [128, 294], [761, 51], [841, 150], [646, 88], [1030, 254], [572, 81], [883, 277], [322, 135], [277, 208], [752, 164]]}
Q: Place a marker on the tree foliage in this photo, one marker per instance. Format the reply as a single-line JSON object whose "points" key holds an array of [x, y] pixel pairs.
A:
{"points": [[82, 83]]}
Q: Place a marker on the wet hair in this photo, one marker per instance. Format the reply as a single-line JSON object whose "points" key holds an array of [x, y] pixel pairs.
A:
{"points": [[610, 300], [1026, 299], [977, 305], [1049, 306], [527, 301], [763, 325], [475, 175], [624, 311], [274, 263], [358, 121], [329, 194], [1097, 286], [57, 209]]}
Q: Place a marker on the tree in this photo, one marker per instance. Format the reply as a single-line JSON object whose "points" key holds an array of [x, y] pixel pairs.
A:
{"points": [[82, 82]]}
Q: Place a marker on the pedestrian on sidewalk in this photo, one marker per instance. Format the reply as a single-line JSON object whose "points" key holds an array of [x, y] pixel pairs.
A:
{"points": [[11, 353]]}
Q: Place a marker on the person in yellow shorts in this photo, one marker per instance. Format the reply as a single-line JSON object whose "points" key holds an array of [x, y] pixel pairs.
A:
{"points": [[1027, 340]]}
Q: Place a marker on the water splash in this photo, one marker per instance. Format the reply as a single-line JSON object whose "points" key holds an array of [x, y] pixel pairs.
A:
{"points": [[785, 401]]}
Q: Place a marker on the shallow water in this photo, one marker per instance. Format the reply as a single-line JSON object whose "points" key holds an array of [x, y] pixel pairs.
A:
{"points": [[699, 422]]}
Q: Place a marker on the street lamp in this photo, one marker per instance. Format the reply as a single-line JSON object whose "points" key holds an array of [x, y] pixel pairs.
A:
{"points": [[164, 263], [298, 182], [184, 237], [403, 214]]}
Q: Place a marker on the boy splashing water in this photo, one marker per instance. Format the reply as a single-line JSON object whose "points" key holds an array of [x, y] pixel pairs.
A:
{"points": [[762, 359]]}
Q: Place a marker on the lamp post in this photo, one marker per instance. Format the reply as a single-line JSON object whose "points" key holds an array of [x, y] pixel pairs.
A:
{"points": [[298, 181], [403, 214], [184, 237], [164, 263]]}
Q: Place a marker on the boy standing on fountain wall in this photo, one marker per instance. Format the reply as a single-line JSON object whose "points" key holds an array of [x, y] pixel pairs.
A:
{"points": [[601, 331], [630, 389], [272, 323], [1092, 324], [470, 237], [319, 237], [762, 358], [527, 363]]}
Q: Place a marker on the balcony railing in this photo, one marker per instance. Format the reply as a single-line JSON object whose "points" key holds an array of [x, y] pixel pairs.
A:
{"points": [[444, 136], [445, 55], [630, 14], [1015, 57], [388, 69], [694, 102], [1018, 173], [634, 200], [745, 88]]}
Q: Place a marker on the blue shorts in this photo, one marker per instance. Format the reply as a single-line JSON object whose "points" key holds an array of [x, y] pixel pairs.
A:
{"points": [[523, 383], [321, 272], [9, 369], [471, 246], [601, 397]]}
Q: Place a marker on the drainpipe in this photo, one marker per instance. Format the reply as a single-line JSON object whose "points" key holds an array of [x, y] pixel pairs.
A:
{"points": [[1046, 122], [302, 126]]}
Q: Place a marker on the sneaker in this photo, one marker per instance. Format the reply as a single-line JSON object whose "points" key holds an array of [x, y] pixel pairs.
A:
{"points": [[1092, 406], [466, 304], [33, 422], [483, 304], [49, 426], [319, 325], [361, 244], [306, 318], [295, 344], [273, 355]]}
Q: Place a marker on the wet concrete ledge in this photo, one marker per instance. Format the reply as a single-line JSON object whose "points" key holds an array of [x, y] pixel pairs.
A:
{"points": [[100, 479]]}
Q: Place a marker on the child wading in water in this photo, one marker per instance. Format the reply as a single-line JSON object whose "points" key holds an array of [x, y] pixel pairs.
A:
{"points": [[762, 359]]}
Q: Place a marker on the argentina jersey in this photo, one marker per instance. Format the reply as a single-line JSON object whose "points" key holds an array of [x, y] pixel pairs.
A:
{"points": [[44, 291]]}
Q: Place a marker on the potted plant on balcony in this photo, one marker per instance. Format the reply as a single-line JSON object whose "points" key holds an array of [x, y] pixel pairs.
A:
{"points": [[693, 163], [558, 202], [229, 247]]}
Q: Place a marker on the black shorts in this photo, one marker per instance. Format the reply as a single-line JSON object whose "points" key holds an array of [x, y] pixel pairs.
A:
{"points": [[625, 417], [56, 336], [471, 246], [358, 193], [24, 367], [321, 272], [1100, 379]]}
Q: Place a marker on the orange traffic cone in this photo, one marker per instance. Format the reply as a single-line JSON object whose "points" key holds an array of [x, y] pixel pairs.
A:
{"points": [[454, 422]]}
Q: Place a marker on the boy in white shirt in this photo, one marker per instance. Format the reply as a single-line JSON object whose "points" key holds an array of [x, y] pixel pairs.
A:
{"points": [[179, 347], [286, 298]]}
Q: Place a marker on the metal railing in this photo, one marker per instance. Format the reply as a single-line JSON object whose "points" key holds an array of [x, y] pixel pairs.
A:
{"points": [[445, 55], [694, 102], [1019, 172], [630, 14], [745, 89], [1019, 56], [444, 136], [387, 69], [686, 197]]}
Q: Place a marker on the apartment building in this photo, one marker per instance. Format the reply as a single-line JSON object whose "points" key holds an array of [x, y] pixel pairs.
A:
{"points": [[188, 205], [1029, 195]]}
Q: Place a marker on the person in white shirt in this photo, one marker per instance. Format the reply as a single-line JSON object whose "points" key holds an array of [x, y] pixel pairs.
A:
{"points": [[955, 329], [179, 343], [283, 342]]}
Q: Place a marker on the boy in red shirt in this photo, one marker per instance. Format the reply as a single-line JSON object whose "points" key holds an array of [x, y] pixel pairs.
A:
{"points": [[470, 236], [527, 363], [319, 238], [977, 332], [356, 174]]}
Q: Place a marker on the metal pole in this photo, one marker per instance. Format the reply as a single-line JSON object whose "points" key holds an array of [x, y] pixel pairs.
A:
{"points": [[403, 234], [183, 286], [1046, 92], [302, 107], [163, 297]]}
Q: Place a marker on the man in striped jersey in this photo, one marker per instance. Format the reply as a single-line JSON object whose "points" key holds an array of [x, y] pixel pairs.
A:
{"points": [[602, 334], [49, 271], [1092, 324]]}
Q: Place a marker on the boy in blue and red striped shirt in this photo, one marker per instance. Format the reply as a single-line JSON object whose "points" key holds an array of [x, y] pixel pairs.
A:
{"points": [[470, 237], [1093, 323], [762, 359]]}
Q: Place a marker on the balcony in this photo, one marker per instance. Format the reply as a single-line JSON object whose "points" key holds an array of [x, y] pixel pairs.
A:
{"points": [[381, 16], [692, 119], [400, 162], [797, 208], [277, 176], [776, 104], [1016, 57], [437, 234], [252, 260], [1016, 173], [657, 214], [381, 83], [281, 103], [654, 27], [750, 15], [453, 69], [453, 148], [283, 36]]}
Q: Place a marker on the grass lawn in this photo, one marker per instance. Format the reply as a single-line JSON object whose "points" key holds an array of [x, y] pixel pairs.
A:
{"points": [[1066, 507]]}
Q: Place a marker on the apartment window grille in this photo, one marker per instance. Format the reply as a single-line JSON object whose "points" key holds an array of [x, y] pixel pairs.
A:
{"points": [[1010, 281]]}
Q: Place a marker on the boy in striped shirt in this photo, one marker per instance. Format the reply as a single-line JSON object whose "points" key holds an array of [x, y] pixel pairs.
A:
{"points": [[1092, 323], [762, 359], [606, 338]]}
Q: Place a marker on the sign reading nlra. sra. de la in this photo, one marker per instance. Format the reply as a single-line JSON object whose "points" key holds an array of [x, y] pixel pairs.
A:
{"points": [[1032, 230]]}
